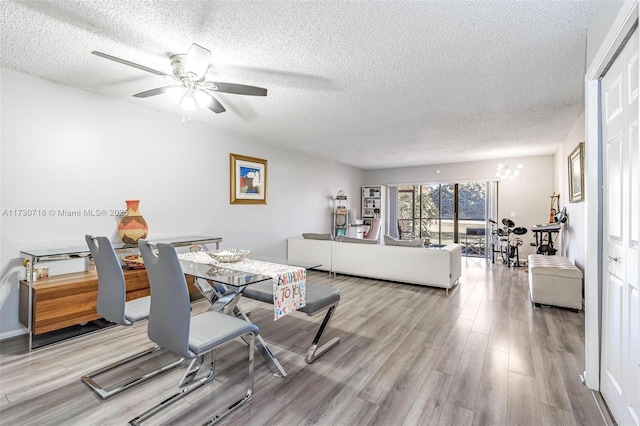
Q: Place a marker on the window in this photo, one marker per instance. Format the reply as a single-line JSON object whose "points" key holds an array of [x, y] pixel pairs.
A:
{"points": [[442, 213], [472, 217]]}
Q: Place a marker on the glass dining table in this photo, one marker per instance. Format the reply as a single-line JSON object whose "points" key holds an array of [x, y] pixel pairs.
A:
{"points": [[222, 286]]}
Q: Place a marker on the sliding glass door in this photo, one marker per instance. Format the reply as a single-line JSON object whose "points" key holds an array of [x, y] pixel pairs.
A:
{"points": [[442, 214], [472, 218]]}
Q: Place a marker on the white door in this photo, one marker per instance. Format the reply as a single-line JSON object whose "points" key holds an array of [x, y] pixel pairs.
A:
{"points": [[620, 350]]}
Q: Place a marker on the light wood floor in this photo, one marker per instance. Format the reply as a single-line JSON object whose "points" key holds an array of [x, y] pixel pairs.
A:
{"points": [[409, 355]]}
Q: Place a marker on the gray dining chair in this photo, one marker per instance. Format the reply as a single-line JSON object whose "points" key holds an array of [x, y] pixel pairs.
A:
{"points": [[172, 327], [111, 305]]}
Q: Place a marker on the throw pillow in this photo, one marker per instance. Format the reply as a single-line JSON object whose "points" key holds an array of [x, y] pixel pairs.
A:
{"points": [[390, 241], [357, 240], [314, 236]]}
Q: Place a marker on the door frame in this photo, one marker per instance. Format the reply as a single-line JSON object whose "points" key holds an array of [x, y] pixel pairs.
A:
{"points": [[594, 243]]}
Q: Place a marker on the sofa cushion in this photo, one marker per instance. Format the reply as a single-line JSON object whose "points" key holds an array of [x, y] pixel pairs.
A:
{"points": [[390, 241], [314, 236], [317, 296], [553, 265], [357, 240]]}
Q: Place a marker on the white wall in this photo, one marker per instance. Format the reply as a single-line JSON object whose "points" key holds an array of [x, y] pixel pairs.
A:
{"points": [[1, 204], [63, 148], [603, 16], [528, 195], [572, 235]]}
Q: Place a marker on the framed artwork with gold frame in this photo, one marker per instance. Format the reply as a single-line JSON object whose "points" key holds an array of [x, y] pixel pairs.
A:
{"points": [[248, 178], [576, 174]]}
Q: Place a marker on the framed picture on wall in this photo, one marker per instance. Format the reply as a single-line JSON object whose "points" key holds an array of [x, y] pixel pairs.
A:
{"points": [[248, 177], [576, 174]]}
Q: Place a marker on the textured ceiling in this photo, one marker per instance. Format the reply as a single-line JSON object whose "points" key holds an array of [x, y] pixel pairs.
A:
{"points": [[372, 84]]}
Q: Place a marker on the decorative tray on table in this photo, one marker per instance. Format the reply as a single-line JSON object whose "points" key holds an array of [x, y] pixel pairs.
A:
{"points": [[229, 255]]}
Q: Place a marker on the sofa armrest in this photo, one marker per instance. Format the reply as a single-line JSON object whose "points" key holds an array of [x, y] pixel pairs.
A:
{"points": [[455, 261]]}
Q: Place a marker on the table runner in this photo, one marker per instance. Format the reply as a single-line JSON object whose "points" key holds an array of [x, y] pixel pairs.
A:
{"points": [[288, 281]]}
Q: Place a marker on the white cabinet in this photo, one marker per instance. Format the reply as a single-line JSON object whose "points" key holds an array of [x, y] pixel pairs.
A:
{"points": [[356, 231], [373, 205]]}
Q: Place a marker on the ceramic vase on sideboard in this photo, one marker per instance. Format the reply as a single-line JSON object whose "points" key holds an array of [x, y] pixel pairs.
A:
{"points": [[132, 226]]}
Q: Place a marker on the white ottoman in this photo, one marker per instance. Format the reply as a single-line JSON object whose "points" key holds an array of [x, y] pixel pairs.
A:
{"points": [[554, 280]]}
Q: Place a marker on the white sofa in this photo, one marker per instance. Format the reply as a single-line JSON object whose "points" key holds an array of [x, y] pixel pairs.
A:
{"points": [[415, 265], [311, 251]]}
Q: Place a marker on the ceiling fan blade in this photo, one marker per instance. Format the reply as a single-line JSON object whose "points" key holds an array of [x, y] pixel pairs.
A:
{"points": [[240, 89], [153, 92], [214, 105], [131, 64], [197, 61]]}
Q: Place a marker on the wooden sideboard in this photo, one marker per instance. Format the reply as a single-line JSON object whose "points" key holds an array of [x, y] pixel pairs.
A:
{"points": [[70, 299], [66, 300]]}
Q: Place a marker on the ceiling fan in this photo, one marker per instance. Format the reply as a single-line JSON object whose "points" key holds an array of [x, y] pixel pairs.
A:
{"points": [[189, 71]]}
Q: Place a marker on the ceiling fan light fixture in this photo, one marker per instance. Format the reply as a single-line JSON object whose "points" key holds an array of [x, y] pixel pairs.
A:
{"points": [[506, 171], [188, 103]]}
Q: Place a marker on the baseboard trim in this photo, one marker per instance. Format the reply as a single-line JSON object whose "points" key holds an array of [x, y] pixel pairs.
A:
{"points": [[603, 408], [13, 333]]}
